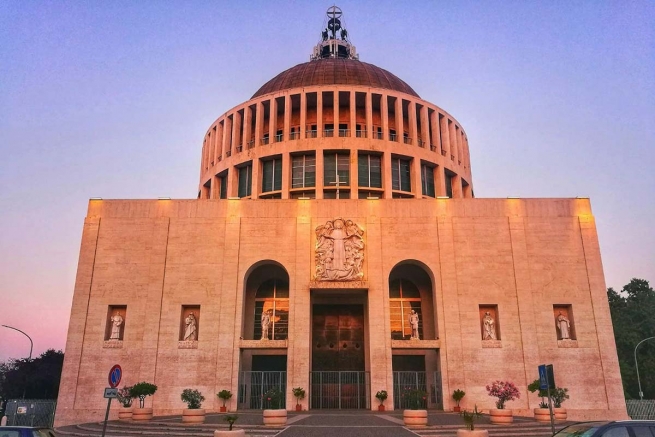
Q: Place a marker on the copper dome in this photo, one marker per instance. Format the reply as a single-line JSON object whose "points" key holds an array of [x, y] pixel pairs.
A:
{"points": [[334, 71]]}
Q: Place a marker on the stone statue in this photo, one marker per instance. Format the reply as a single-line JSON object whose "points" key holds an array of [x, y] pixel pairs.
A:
{"points": [[339, 251], [489, 324], [266, 322], [190, 332], [324, 35], [413, 322], [563, 326], [117, 321]]}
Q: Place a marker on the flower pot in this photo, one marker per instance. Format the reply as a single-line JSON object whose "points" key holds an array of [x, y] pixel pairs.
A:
{"points": [[226, 433], [415, 417], [275, 417], [474, 433], [125, 413], [381, 407], [542, 414], [141, 413], [193, 416], [501, 416], [298, 407], [223, 409], [457, 409], [559, 413]]}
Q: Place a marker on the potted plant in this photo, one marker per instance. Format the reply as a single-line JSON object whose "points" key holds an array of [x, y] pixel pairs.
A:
{"points": [[469, 421], [299, 394], [457, 397], [415, 399], [505, 391], [125, 399], [274, 414], [193, 399], [559, 395], [142, 390], [225, 396], [230, 419], [381, 396]]}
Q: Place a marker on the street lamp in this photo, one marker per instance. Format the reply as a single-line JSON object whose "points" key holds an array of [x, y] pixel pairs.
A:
{"points": [[641, 393], [31, 343]]}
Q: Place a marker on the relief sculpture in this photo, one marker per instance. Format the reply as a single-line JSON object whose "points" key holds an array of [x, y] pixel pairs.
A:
{"points": [[339, 251]]}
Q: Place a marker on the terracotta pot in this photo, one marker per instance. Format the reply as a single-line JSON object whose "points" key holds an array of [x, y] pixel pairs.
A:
{"points": [[141, 413], [226, 433], [193, 416], [474, 433], [223, 409], [381, 407], [275, 417], [457, 409], [542, 414], [415, 417], [125, 413], [501, 416], [298, 407], [559, 413]]}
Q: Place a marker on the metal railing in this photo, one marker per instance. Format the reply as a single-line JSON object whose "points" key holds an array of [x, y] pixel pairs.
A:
{"points": [[403, 382], [253, 386], [311, 133], [251, 144], [641, 409], [407, 140], [420, 143], [344, 132], [239, 148], [392, 137], [279, 137], [328, 132], [433, 148], [30, 412], [294, 135], [377, 135], [264, 141], [339, 390], [360, 133]]}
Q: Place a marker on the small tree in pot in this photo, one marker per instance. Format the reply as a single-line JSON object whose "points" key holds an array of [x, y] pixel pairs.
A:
{"points": [[469, 422], [299, 394], [505, 391], [125, 399], [230, 419], [193, 399], [142, 390], [458, 395], [225, 396], [381, 396], [416, 400], [274, 414]]}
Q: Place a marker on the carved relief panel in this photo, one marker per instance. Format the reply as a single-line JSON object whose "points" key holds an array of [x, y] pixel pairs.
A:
{"points": [[339, 251]]}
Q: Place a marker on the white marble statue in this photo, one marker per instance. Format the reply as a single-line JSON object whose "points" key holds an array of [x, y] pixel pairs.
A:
{"points": [[190, 332], [489, 325], [116, 322], [266, 321], [563, 326], [413, 322]]}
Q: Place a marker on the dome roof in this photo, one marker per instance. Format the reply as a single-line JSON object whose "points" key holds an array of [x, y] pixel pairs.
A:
{"points": [[335, 71]]}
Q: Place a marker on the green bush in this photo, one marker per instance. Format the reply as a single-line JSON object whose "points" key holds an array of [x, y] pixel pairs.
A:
{"points": [[298, 393], [382, 396], [230, 418], [224, 395], [470, 418], [415, 398], [458, 395], [141, 390], [193, 398], [273, 398]]}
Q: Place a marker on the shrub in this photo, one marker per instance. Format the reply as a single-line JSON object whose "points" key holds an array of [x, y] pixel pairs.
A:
{"points": [[193, 398], [559, 395], [503, 390], [298, 393], [382, 396], [230, 418], [458, 395], [124, 396], [470, 418], [415, 398], [273, 398], [141, 390], [224, 395]]}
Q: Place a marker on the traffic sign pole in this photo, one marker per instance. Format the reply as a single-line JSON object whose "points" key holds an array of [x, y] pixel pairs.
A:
{"points": [[104, 425], [115, 375]]}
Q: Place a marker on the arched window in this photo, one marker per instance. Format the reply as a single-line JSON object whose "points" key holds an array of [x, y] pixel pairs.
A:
{"points": [[404, 297], [273, 296]]}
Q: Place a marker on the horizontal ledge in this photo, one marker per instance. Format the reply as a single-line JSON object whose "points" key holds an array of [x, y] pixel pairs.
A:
{"points": [[263, 344], [415, 344], [331, 285]]}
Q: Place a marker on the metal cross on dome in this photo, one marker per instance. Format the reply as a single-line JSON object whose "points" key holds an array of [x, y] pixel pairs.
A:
{"points": [[334, 24]]}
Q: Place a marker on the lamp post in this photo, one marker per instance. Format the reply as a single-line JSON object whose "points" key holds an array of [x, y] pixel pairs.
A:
{"points": [[641, 393], [28, 337]]}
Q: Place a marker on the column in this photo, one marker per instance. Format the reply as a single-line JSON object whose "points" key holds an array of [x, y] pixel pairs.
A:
{"points": [[272, 120], [400, 125], [436, 134], [440, 181], [445, 137], [460, 159], [319, 173], [256, 187], [369, 115], [425, 129], [259, 123], [286, 174], [384, 109], [214, 188], [417, 180], [457, 186], [353, 174], [353, 114], [218, 144], [303, 114], [227, 136], [236, 128], [246, 127], [287, 120], [335, 111], [232, 182], [386, 175], [452, 144], [413, 125], [205, 160], [319, 121]]}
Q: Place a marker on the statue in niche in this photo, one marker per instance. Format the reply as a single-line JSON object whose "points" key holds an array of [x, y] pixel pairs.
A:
{"points": [[339, 251], [266, 322], [190, 331], [116, 323], [563, 326], [413, 322], [489, 324]]}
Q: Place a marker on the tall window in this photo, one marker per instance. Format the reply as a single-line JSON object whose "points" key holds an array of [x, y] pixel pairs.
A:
{"points": [[245, 181], [369, 173], [449, 185], [272, 175], [273, 297], [336, 164], [400, 175], [222, 180], [404, 297], [303, 173], [427, 180]]}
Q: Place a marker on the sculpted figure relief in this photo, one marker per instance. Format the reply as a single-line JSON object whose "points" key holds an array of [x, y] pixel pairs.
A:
{"points": [[413, 322], [489, 324], [339, 251], [116, 322], [563, 326], [190, 332], [266, 322]]}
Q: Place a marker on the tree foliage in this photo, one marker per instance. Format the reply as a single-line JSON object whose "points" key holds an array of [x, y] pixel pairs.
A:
{"points": [[633, 317], [36, 379]]}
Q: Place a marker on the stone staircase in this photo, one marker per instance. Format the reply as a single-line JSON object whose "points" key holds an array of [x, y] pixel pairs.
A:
{"points": [[517, 429], [155, 429]]}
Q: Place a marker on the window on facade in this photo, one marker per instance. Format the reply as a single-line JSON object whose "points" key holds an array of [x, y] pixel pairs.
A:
{"points": [[272, 175], [272, 298], [404, 297], [400, 174], [245, 181], [336, 164], [427, 180], [369, 171], [222, 181], [303, 173], [449, 186]]}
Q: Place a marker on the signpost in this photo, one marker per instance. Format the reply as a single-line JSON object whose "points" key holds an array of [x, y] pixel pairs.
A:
{"points": [[547, 382], [114, 378]]}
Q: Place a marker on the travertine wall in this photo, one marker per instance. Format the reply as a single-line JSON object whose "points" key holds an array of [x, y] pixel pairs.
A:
{"points": [[523, 255]]}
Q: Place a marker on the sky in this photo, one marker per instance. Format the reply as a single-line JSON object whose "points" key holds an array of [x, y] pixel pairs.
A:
{"points": [[112, 99]]}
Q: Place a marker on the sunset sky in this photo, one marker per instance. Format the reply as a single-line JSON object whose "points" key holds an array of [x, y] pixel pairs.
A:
{"points": [[112, 99]]}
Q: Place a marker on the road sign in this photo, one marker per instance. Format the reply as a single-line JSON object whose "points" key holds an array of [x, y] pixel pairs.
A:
{"points": [[543, 378], [115, 375], [551, 376], [111, 393]]}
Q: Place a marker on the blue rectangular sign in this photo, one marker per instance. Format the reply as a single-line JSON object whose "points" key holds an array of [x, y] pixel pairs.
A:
{"points": [[543, 377]]}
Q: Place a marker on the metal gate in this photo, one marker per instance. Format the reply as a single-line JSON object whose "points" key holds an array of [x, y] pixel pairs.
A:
{"points": [[641, 409], [339, 390], [30, 412], [404, 382], [253, 386]]}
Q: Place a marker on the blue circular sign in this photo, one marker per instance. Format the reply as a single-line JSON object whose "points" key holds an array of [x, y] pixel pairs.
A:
{"points": [[115, 375]]}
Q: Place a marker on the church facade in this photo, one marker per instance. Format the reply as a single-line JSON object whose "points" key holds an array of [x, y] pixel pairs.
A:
{"points": [[336, 245]]}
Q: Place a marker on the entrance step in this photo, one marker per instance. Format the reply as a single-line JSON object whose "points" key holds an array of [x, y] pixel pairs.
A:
{"points": [[129, 429], [514, 430]]}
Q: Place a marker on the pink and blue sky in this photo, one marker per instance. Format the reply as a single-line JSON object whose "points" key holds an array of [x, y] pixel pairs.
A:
{"points": [[112, 99]]}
